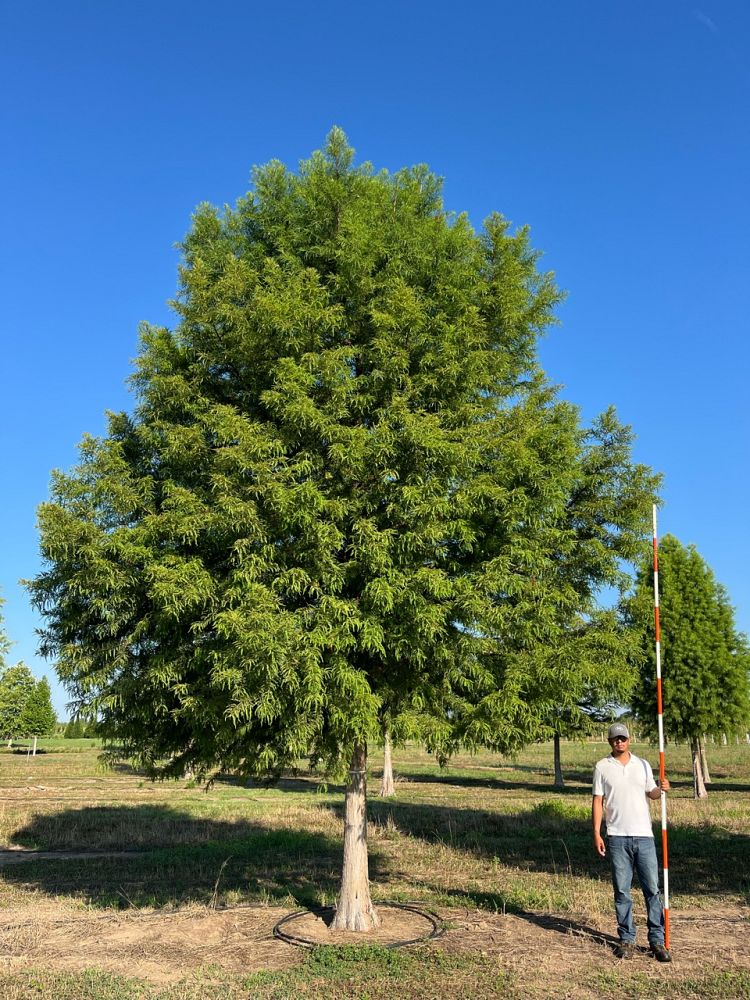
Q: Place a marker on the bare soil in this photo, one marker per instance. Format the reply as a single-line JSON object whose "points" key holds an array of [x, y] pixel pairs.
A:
{"points": [[165, 947]]}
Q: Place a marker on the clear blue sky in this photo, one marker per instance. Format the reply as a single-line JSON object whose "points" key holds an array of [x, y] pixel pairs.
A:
{"points": [[618, 129]]}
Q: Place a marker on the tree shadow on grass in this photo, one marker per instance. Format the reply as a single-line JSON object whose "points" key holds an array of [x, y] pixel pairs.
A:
{"points": [[554, 836], [296, 780], [542, 786], [184, 859], [497, 903]]}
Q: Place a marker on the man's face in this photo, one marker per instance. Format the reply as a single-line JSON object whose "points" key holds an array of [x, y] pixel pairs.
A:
{"points": [[619, 744]]}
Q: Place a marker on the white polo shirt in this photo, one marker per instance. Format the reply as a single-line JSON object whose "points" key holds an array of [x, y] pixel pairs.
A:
{"points": [[624, 788]]}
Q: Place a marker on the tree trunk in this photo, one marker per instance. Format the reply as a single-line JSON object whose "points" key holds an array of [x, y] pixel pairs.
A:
{"points": [[354, 910], [699, 787], [559, 781], [704, 762], [386, 782]]}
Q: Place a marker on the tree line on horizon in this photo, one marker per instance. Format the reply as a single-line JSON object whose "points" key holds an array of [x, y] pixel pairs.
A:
{"points": [[349, 506]]}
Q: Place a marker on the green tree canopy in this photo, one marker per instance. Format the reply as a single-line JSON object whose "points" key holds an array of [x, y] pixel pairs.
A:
{"points": [[343, 492], [16, 686], [38, 716], [609, 514], [74, 730], [705, 661]]}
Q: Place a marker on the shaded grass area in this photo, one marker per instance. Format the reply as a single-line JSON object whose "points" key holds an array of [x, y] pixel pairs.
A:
{"points": [[289, 866], [295, 853], [485, 831]]}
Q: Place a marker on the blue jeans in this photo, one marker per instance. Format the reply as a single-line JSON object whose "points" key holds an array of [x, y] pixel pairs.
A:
{"points": [[636, 853]]}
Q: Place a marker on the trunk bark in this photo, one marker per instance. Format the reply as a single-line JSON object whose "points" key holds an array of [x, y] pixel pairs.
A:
{"points": [[699, 787], [354, 910], [704, 762], [387, 787], [559, 781]]}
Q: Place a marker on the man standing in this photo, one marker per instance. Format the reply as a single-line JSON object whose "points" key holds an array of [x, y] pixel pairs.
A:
{"points": [[622, 784]]}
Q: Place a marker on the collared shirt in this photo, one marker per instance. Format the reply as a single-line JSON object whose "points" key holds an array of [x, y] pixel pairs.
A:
{"points": [[624, 788]]}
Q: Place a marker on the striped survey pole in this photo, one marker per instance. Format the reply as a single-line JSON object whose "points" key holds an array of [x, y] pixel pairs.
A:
{"points": [[660, 713]]}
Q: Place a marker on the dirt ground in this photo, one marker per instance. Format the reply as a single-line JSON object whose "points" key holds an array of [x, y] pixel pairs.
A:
{"points": [[165, 947]]}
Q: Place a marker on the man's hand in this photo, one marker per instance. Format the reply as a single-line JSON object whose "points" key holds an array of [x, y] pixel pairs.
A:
{"points": [[599, 845], [655, 793]]}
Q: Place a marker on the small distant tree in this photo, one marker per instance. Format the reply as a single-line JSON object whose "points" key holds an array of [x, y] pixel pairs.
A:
{"points": [[705, 660], [38, 716], [16, 687], [74, 730], [5, 642]]}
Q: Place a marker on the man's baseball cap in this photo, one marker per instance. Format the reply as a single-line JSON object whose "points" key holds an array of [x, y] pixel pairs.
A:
{"points": [[618, 730]]}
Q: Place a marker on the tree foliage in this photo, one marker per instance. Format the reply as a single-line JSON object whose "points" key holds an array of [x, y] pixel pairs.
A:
{"points": [[16, 687], [609, 513], [5, 642], [705, 660], [74, 730], [347, 501], [38, 716], [343, 485]]}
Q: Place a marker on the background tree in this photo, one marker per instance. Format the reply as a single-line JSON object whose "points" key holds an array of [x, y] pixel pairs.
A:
{"points": [[705, 660], [608, 513], [38, 716], [74, 730], [16, 687], [5, 642], [340, 500]]}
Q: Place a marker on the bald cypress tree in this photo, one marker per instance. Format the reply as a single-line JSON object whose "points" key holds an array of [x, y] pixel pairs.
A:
{"points": [[340, 498], [608, 513], [705, 660]]}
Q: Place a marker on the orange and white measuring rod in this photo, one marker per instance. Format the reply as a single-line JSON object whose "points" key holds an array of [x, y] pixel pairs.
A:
{"points": [[660, 714]]}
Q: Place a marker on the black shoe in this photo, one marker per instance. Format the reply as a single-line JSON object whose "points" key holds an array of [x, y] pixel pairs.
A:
{"points": [[660, 953], [625, 949]]}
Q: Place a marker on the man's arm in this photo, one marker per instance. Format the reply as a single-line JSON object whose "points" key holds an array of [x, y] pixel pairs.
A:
{"points": [[597, 802]]}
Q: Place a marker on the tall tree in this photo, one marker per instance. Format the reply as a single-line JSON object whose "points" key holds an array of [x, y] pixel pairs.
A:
{"points": [[16, 686], [38, 716], [705, 660], [608, 514], [340, 499]]}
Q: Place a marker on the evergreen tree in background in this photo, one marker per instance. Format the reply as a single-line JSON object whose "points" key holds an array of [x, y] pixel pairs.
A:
{"points": [[74, 730], [38, 716], [25, 706], [705, 661], [16, 687], [609, 514], [342, 503], [5, 642]]}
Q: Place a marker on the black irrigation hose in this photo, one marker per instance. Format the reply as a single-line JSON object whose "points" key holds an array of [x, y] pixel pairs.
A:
{"points": [[301, 942]]}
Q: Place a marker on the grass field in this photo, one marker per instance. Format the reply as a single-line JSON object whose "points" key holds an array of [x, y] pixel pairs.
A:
{"points": [[487, 843]]}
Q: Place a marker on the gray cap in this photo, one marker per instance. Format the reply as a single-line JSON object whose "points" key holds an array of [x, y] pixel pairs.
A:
{"points": [[618, 730]]}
